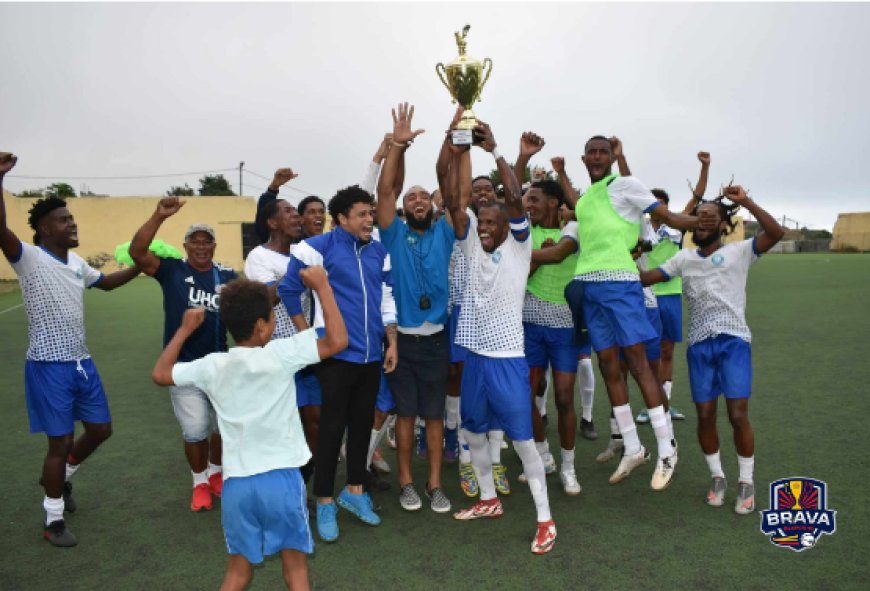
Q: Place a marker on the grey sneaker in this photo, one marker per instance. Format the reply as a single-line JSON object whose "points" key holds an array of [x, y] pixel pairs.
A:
{"points": [[613, 449], [409, 499], [716, 494], [439, 501], [745, 503]]}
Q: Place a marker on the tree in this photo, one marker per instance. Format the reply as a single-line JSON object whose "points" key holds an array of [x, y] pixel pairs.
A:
{"points": [[495, 177], [214, 184], [184, 191], [60, 190], [32, 193]]}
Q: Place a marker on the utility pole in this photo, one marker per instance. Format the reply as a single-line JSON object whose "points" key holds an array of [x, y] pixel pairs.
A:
{"points": [[241, 188]]}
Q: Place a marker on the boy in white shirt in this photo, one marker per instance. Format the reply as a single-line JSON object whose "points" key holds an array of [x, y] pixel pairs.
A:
{"points": [[264, 507], [719, 353]]}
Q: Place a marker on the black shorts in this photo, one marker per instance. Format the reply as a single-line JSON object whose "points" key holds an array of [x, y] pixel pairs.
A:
{"points": [[419, 382]]}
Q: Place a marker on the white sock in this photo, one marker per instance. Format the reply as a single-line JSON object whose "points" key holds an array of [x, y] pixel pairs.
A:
{"points": [[534, 470], [213, 469], [374, 440], [201, 478], [747, 466], [567, 460], [660, 428], [715, 465], [53, 509], [543, 448], [495, 439], [481, 463], [451, 408], [464, 453], [667, 388], [627, 428], [670, 424], [71, 469], [586, 377], [541, 403]]}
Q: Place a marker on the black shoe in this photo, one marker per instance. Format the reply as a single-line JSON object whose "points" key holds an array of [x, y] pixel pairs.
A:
{"points": [[58, 535], [69, 503], [375, 482], [587, 430]]}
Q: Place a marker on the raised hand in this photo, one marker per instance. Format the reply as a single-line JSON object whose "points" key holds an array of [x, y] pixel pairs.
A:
{"points": [[484, 137], [169, 206], [7, 162], [457, 117], [530, 144], [314, 277], [558, 163], [282, 175], [192, 319], [704, 158], [616, 146], [402, 117], [736, 193], [383, 148]]}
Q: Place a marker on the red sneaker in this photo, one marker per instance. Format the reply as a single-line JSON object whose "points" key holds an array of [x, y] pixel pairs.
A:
{"points": [[491, 508], [545, 537], [201, 498], [216, 482]]}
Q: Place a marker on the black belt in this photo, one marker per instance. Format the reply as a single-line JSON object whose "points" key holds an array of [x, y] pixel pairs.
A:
{"points": [[420, 337]]}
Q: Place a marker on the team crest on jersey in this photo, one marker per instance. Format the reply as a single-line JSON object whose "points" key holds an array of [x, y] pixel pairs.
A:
{"points": [[717, 260], [496, 257], [798, 514]]}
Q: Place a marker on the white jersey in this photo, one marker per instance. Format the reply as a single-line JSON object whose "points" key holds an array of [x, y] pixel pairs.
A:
{"points": [[715, 289], [491, 320], [458, 269], [268, 266], [53, 292], [647, 233]]}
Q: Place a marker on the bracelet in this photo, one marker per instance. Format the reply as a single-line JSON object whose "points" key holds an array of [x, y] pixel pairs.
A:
{"points": [[495, 154], [399, 144]]}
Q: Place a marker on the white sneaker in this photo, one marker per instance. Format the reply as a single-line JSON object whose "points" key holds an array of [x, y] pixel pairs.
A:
{"points": [[614, 448], [629, 463], [381, 464], [569, 482], [664, 472]]}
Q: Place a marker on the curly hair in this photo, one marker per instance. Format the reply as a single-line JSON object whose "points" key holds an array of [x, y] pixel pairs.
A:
{"points": [[661, 194], [343, 201], [40, 209], [726, 211]]}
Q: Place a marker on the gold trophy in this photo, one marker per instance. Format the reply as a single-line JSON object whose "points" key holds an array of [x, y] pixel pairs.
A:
{"points": [[464, 79]]}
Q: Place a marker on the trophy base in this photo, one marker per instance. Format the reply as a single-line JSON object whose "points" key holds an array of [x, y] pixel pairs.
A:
{"points": [[462, 137]]}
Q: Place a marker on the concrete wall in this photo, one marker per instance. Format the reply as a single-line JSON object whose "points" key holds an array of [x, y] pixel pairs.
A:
{"points": [[852, 232], [105, 222]]}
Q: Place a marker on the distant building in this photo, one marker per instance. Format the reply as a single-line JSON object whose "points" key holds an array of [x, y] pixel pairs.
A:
{"points": [[852, 233]]}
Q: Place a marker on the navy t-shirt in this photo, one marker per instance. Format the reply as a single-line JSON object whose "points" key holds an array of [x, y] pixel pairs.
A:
{"points": [[185, 287]]}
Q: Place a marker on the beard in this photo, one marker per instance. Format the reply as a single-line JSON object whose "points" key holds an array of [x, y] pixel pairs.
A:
{"points": [[416, 224], [711, 238]]}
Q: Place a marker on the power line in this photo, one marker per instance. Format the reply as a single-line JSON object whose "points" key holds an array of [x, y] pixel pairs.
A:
{"points": [[119, 178], [292, 188]]}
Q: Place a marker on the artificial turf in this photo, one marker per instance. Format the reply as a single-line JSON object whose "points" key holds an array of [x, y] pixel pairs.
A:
{"points": [[810, 320]]}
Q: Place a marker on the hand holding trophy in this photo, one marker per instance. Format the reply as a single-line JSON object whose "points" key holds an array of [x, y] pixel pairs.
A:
{"points": [[464, 79]]}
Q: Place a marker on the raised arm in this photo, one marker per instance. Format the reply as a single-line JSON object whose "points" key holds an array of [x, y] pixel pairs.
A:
{"points": [[679, 221], [388, 192], [619, 154], [701, 188], [571, 196], [771, 231], [530, 144], [9, 242], [162, 372], [281, 177], [146, 260], [457, 189], [513, 197], [335, 337]]}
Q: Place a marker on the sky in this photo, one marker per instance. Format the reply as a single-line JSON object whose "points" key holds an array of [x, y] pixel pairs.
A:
{"points": [[776, 92]]}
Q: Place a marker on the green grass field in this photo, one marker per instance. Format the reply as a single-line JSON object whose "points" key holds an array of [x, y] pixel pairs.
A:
{"points": [[810, 318]]}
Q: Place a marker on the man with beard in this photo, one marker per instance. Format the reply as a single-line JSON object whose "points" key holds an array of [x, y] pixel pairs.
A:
{"points": [[719, 353], [607, 293], [420, 253], [194, 282], [495, 382], [61, 383]]}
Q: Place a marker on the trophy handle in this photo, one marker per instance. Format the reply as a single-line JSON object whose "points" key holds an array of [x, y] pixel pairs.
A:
{"points": [[442, 75], [485, 77]]}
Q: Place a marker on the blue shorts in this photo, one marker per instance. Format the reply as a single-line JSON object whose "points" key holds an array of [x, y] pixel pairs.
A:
{"points": [[721, 365], [671, 313], [615, 314], [458, 353], [60, 393], [307, 388], [553, 346], [496, 395], [266, 513], [384, 402], [652, 346]]}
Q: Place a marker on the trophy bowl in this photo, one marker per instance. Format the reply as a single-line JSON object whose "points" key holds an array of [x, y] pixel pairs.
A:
{"points": [[464, 79]]}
